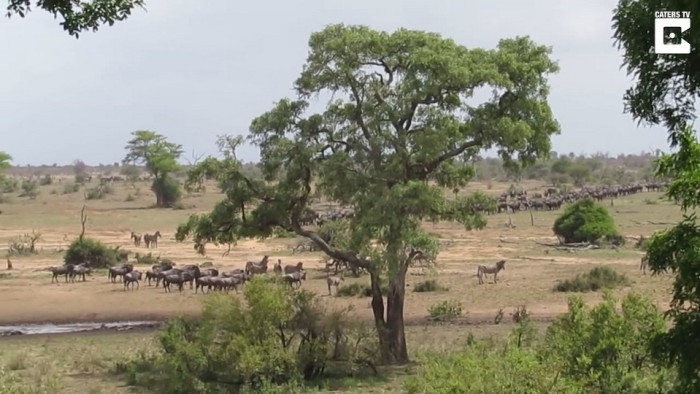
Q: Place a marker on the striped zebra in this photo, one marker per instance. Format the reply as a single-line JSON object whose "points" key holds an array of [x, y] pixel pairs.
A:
{"points": [[483, 270]]}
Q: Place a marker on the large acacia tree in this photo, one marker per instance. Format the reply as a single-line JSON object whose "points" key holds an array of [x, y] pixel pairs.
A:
{"points": [[78, 16], [399, 126], [666, 89]]}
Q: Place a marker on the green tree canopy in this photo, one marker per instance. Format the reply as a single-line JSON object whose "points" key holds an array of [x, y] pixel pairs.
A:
{"points": [[78, 16], [579, 173], [401, 126], [160, 158], [666, 89]]}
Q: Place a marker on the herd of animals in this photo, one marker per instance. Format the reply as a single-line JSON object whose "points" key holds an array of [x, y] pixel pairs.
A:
{"points": [[212, 279], [198, 277], [516, 201]]}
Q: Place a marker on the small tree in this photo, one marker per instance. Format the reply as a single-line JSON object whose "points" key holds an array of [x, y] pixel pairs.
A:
{"points": [[80, 171], [585, 221], [160, 158], [579, 173]]}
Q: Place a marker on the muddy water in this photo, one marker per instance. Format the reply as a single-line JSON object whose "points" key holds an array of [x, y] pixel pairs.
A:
{"points": [[34, 329]]}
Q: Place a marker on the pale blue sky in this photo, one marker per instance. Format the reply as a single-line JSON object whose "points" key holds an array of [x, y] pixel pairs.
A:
{"points": [[194, 69]]}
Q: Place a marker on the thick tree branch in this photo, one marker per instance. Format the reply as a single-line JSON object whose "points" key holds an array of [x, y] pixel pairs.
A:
{"points": [[425, 168]]}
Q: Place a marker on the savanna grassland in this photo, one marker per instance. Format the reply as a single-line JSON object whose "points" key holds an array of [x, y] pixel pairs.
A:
{"points": [[87, 362]]}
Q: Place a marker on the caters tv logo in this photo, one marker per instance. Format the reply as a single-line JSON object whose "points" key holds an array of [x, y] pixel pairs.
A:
{"points": [[669, 27]]}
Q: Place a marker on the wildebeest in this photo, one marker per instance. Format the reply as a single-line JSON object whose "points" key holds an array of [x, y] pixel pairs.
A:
{"points": [[483, 270], [151, 240], [234, 272], [231, 282], [65, 269], [209, 272], [114, 272], [288, 269], [156, 269], [80, 270], [295, 278], [130, 278], [252, 267], [190, 273], [334, 281], [207, 281], [174, 276]]}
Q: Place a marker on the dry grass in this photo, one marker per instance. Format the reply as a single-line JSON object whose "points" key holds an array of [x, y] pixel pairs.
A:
{"points": [[532, 270]]}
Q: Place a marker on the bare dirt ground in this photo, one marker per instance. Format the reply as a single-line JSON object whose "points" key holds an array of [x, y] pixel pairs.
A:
{"points": [[27, 294]]}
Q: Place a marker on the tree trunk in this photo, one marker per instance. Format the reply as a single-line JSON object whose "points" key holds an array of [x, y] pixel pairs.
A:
{"points": [[392, 337]]}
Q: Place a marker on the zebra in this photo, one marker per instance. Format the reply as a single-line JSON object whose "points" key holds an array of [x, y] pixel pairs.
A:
{"points": [[334, 281], [483, 270], [151, 240], [136, 238]]}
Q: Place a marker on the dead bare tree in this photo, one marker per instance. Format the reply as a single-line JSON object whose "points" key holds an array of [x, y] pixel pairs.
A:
{"points": [[83, 219], [195, 159]]}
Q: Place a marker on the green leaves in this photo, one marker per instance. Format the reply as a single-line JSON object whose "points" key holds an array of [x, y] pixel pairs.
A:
{"points": [[79, 16], [667, 85], [5, 160], [153, 150]]}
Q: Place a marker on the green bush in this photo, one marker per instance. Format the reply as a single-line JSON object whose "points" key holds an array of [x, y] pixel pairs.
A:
{"points": [[148, 259], [167, 190], [71, 187], [277, 336], [444, 311], [98, 192], [587, 350], [607, 350], [8, 185], [94, 253], [428, 286], [45, 180], [30, 189], [586, 221], [596, 279]]}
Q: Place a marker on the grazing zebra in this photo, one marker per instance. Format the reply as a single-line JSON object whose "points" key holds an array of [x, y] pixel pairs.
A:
{"points": [[483, 270], [252, 267], [151, 240], [290, 269]]}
